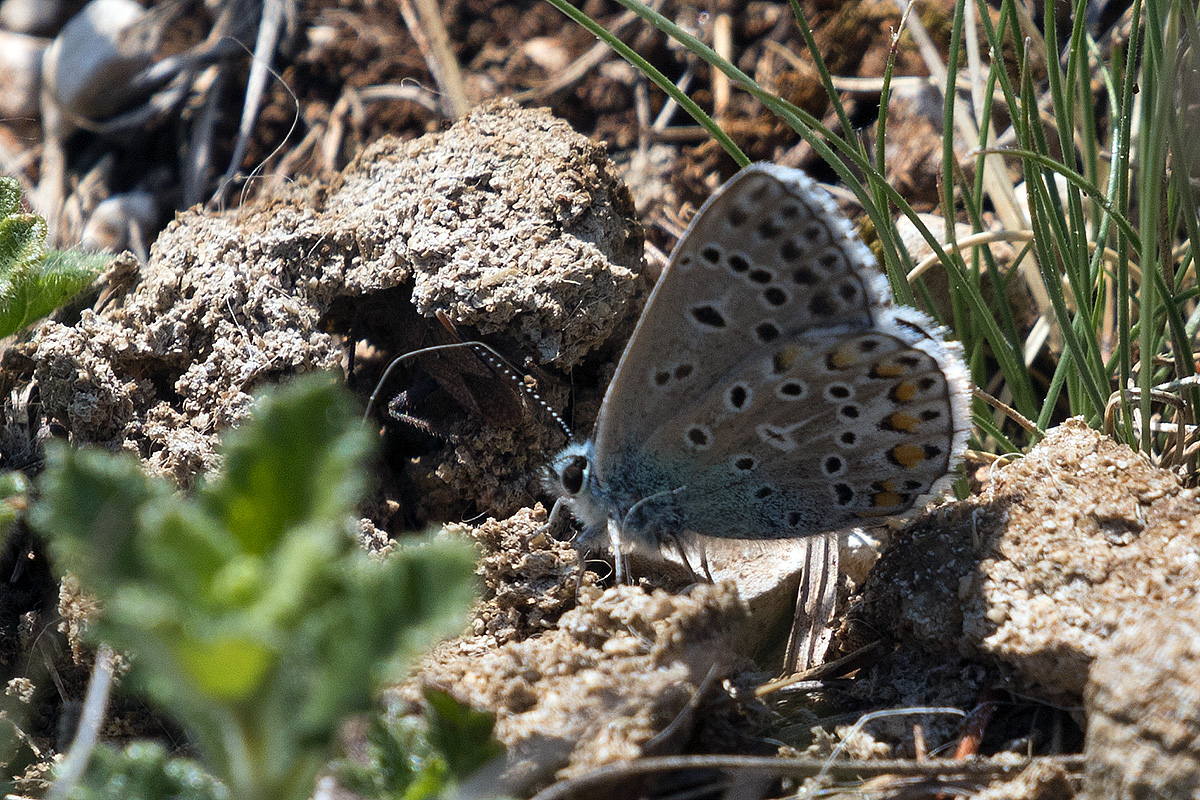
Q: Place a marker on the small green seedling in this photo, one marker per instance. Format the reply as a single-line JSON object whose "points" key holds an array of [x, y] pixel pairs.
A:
{"points": [[145, 771], [33, 282], [410, 757], [248, 611]]}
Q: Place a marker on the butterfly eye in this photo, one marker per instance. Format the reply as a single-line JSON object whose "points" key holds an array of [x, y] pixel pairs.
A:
{"points": [[573, 474]]}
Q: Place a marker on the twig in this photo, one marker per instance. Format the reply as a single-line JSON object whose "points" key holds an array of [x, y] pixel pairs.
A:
{"points": [[670, 106], [445, 68], [816, 600], [860, 723], [792, 767], [1008, 411], [411, 92], [723, 44], [823, 671], [424, 22], [581, 67], [198, 160], [94, 706], [269, 27]]}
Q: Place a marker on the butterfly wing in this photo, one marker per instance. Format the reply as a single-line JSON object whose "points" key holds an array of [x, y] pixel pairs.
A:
{"points": [[821, 431], [769, 309], [701, 317]]}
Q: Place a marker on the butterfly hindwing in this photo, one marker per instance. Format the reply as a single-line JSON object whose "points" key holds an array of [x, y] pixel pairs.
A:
{"points": [[814, 435], [739, 280]]}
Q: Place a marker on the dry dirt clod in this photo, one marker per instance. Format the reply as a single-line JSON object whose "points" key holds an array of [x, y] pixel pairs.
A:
{"points": [[1039, 569], [580, 677], [509, 223], [1039, 781], [1143, 707], [529, 578]]}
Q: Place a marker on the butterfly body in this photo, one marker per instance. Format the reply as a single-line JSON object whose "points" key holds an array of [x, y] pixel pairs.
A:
{"points": [[771, 389]]}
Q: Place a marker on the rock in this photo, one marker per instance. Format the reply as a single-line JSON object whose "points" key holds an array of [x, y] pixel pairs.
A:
{"points": [[1039, 569], [508, 223], [90, 66], [36, 17], [1143, 708], [20, 74], [121, 222]]}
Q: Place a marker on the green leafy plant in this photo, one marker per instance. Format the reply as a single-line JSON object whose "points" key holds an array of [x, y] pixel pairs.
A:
{"points": [[248, 611], [145, 771], [34, 282], [420, 757]]}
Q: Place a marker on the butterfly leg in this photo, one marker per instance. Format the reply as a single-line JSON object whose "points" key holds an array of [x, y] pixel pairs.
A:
{"points": [[553, 525], [677, 543], [620, 561]]}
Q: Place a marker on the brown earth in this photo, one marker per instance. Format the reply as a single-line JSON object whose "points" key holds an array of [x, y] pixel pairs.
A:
{"points": [[516, 225]]}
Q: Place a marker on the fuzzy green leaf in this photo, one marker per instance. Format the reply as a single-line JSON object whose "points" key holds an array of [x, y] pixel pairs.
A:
{"points": [[461, 734], [414, 756], [35, 289], [293, 465], [14, 490], [32, 282], [248, 611], [10, 196], [227, 669], [22, 244], [89, 506], [143, 771]]}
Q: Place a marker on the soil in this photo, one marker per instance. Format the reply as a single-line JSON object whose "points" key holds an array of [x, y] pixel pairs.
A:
{"points": [[376, 225]]}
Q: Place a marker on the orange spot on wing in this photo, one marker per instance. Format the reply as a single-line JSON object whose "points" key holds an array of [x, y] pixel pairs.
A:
{"points": [[908, 455], [899, 421], [904, 392], [842, 358], [885, 370], [885, 499], [785, 358]]}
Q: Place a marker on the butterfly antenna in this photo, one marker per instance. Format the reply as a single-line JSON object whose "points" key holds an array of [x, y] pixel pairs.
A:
{"points": [[502, 365], [492, 358]]}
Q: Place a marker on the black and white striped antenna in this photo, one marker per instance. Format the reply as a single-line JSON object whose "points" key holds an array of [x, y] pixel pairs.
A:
{"points": [[490, 357]]}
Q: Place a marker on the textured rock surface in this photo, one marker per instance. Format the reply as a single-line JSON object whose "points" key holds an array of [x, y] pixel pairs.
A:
{"points": [[1143, 709], [1039, 781], [1045, 563], [580, 677], [508, 224]]}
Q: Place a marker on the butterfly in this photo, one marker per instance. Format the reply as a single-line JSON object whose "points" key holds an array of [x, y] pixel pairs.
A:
{"points": [[771, 388]]}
